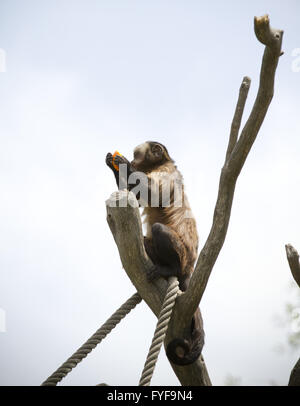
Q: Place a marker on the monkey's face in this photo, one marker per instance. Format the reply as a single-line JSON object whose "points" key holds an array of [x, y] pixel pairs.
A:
{"points": [[149, 155]]}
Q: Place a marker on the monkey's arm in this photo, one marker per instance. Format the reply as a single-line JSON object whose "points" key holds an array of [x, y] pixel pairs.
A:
{"points": [[148, 189]]}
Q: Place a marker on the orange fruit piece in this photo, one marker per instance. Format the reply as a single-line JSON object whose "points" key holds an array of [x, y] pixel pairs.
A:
{"points": [[113, 161]]}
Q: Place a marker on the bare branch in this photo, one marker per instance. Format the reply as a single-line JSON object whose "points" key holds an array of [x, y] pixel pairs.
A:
{"points": [[236, 154], [272, 39], [124, 220], [236, 122], [295, 375], [293, 260], [267, 35]]}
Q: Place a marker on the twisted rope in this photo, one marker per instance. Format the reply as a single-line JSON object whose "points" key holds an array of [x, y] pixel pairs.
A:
{"points": [[160, 331], [93, 341]]}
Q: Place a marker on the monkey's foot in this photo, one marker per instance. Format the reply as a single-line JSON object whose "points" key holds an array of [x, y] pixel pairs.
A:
{"points": [[153, 274]]}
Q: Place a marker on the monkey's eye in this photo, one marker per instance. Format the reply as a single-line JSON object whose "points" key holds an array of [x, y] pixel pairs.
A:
{"points": [[136, 154]]}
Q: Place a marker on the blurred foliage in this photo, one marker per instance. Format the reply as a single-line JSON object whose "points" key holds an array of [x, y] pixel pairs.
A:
{"points": [[289, 320], [231, 380]]}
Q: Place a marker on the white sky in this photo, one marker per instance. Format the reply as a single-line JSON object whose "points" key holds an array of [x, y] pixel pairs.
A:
{"points": [[87, 77]]}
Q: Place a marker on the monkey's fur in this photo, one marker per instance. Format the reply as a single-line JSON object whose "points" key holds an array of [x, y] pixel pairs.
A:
{"points": [[171, 240]]}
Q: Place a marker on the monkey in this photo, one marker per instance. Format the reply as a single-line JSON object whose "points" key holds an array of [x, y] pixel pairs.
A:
{"points": [[171, 240]]}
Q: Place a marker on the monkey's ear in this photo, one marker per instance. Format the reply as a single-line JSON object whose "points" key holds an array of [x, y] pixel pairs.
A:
{"points": [[157, 151]]}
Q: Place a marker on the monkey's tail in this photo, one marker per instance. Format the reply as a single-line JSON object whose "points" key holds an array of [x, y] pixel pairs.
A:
{"points": [[186, 351], [183, 352]]}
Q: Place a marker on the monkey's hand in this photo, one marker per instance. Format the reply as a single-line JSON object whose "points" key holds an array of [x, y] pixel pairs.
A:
{"points": [[109, 161], [113, 162], [120, 159]]}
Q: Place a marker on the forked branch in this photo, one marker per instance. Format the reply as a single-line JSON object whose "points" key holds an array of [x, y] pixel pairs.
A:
{"points": [[237, 152]]}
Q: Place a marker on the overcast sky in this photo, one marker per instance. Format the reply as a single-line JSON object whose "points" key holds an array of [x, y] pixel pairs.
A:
{"points": [[87, 77]]}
